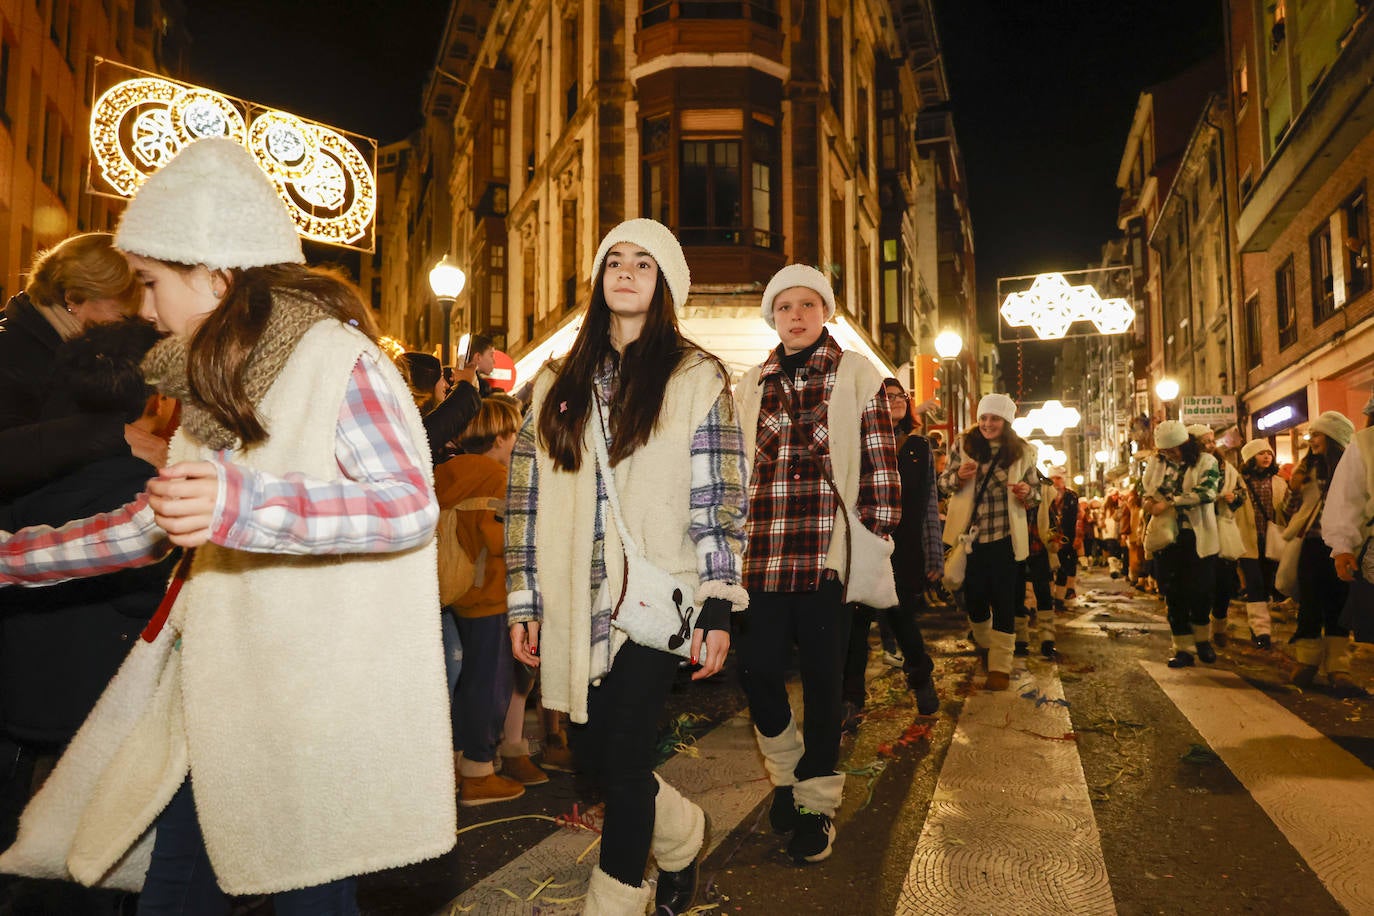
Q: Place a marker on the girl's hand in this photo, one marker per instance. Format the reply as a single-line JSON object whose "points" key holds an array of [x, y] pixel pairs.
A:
{"points": [[1159, 507], [183, 499], [1020, 490], [967, 468], [709, 653], [524, 642]]}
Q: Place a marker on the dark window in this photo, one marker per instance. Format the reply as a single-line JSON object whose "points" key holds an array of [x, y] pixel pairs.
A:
{"points": [[861, 128], [709, 192], [52, 148], [1285, 308], [34, 143], [1355, 219], [764, 12], [765, 201], [569, 254], [655, 150], [5, 80], [1254, 343], [571, 66], [1247, 185], [496, 316], [863, 295], [835, 41], [1323, 279]]}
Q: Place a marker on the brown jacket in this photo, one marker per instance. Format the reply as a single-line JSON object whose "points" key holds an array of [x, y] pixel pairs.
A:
{"points": [[480, 533]]}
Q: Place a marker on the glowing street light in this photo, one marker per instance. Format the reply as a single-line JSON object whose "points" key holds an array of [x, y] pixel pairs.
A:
{"points": [[1167, 389], [1102, 456], [447, 280], [949, 344]]}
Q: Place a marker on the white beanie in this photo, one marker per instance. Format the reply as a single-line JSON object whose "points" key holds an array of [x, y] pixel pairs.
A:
{"points": [[999, 405], [210, 205], [1199, 430], [1335, 425], [659, 241], [1170, 434], [797, 275], [1253, 448], [1058, 471]]}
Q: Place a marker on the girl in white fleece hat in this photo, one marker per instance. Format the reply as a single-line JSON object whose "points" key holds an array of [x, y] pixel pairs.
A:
{"points": [[635, 407], [282, 725], [992, 484], [1261, 513]]}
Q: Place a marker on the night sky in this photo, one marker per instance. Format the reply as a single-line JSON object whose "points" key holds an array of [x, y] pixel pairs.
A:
{"points": [[1042, 91]]}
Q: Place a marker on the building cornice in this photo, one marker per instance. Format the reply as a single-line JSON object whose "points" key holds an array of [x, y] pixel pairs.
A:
{"points": [[689, 60]]}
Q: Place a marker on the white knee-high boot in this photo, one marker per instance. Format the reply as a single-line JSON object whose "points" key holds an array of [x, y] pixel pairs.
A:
{"points": [[982, 632], [1023, 629], [1337, 654], [1000, 652], [1184, 643], [1045, 620], [608, 897], [1257, 612], [821, 794], [679, 828], [781, 753]]}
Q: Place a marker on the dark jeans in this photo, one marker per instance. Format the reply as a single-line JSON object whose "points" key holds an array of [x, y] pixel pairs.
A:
{"points": [[916, 664], [1225, 587], [990, 585], [616, 751], [1186, 580], [484, 686], [1259, 578], [1068, 564], [1321, 593], [180, 881], [818, 624]]}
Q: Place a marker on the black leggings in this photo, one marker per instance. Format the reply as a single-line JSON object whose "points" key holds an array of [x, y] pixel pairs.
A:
{"points": [[1321, 593], [1259, 578], [916, 662], [616, 751], [990, 585], [1224, 588], [1186, 580]]}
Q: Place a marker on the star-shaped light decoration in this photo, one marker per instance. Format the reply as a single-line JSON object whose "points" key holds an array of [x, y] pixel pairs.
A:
{"points": [[1051, 306], [1053, 418]]}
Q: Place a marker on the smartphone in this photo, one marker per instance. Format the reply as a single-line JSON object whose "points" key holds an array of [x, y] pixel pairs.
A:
{"points": [[464, 346]]}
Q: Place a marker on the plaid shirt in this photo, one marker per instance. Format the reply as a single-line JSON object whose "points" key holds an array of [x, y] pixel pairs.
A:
{"points": [[716, 512], [381, 502], [990, 514], [791, 507]]}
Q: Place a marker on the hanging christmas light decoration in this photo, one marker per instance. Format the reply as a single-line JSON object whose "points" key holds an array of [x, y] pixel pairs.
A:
{"points": [[1053, 418], [139, 124], [1052, 305]]}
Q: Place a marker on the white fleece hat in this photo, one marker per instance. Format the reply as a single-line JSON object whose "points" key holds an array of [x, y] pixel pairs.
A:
{"points": [[1170, 434], [659, 241], [797, 275], [1058, 471], [1253, 448], [1335, 425], [210, 205], [999, 405], [1199, 430]]}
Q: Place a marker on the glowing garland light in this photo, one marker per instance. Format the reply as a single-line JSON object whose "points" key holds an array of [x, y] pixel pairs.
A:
{"points": [[1051, 306], [1053, 418], [138, 125]]}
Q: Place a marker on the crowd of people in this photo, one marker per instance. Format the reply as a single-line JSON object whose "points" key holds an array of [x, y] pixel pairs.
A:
{"points": [[290, 657]]}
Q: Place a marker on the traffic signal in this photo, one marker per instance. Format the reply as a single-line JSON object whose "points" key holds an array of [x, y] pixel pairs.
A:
{"points": [[926, 381]]}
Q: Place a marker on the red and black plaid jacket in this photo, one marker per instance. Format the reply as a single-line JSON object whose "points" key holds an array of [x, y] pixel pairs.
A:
{"points": [[791, 507]]}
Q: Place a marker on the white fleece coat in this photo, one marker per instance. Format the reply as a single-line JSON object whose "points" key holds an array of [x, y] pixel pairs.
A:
{"points": [[960, 512], [1349, 514], [1246, 516], [306, 699], [1202, 517], [856, 379], [655, 486]]}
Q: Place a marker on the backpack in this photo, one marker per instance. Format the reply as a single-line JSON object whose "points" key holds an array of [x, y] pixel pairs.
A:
{"points": [[459, 570]]}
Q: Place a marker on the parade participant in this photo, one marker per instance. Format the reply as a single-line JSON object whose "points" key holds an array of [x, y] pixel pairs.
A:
{"points": [[1348, 527], [662, 408], [78, 283], [993, 484], [300, 480], [1230, 495], [445, 407], [474, 485], [1260, 514], [815, 421], [1037, 574], [917, 561], [1065, 513], [1182, 480], [1321, 638]]}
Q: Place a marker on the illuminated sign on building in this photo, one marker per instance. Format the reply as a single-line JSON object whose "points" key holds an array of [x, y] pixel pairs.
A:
{"points": [[1274, 418], [1283, 414], [324, 176]]}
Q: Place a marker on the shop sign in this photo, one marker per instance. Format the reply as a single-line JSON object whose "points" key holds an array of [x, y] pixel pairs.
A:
{"points": [[1281, 415], [1211, 410]]}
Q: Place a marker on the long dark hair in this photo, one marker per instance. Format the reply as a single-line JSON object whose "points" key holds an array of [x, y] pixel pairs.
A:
{"points": [[1191, 450], [906, 424], [1322, 467], [220, 347], [977, 447], [644, 369]]}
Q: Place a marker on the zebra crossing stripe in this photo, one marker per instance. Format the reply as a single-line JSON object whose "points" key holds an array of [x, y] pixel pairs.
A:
{"points": [[1011, 824], [1319, 795]]}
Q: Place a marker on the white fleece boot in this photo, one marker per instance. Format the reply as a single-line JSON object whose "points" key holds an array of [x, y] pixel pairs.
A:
{"points": [[1185, 647], [1261, 624], [780, 756], [679, 828], [1308, 653], [608, 897], [982, 639], [1338, 667], [1000, 655]]}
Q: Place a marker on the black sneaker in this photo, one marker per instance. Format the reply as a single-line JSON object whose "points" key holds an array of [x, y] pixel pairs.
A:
{"points": [[1181, 659], [782, 814], [1059, 605], [1071, 594], [813, 839], [851, 717], [1022, 649], [1047, 650], [927, 700], [677, 890], [1263, 641], [1205, 653]]}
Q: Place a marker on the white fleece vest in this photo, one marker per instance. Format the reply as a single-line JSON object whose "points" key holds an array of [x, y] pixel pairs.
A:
{"points": [[856, 381], [308, 697], [655, 493], [1201, 518], [959, 514], [1246, 516]]}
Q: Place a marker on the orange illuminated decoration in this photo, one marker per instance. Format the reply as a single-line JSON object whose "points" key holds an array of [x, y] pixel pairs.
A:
{"points": [[926, 372]]}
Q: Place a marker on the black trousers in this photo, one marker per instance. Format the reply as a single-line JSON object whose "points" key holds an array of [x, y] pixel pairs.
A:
{"points": [[1186, 580], [991, 582], [1259, 577], [916, 665], [818, 625], [1224, 588], [615, 750], [1068, 564], [1321, 593]]}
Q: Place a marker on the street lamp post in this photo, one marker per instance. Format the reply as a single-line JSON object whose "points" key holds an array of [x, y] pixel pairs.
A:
{"points": [[948, 346], [447, 280], [1167, 389]]}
